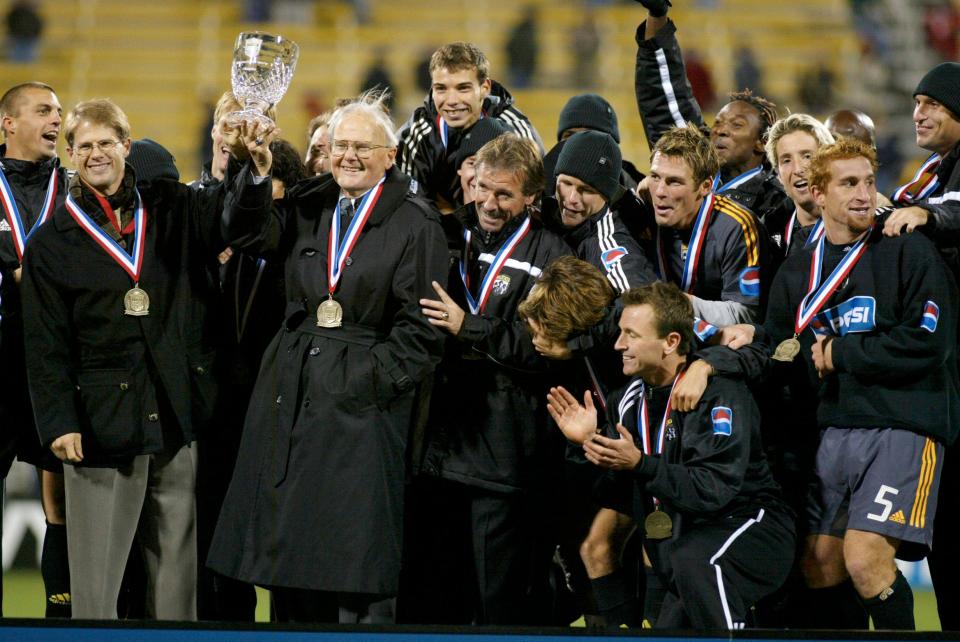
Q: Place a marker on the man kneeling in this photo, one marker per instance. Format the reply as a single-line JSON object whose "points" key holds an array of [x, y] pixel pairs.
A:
{"points": [[716, 529]]}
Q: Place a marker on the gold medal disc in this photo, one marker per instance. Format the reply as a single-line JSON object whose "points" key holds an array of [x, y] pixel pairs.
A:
{"points": [[136, 302], [329, 314], [787, 350], [658, 525]]}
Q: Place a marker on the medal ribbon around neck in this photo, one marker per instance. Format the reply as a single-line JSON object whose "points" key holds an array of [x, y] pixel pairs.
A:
{"points": [[644, 420], [131, 263], [486, 286], [734, 182], [698, 239], [817, 298], [337, 254], [815, 233], [444, 129], [20, 234], [924, 181]]}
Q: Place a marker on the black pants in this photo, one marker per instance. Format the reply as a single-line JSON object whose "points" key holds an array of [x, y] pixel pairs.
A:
{"points": [[944, 558], [471, 556], [716, 571]]}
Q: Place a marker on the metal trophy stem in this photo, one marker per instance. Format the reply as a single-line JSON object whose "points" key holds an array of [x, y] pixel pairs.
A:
{"points": [[262, 69]]}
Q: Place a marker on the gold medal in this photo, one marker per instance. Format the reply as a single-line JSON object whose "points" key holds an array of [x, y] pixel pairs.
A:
{"points": [[787, 350], [329, 314], [136, 302], [658, 525]]}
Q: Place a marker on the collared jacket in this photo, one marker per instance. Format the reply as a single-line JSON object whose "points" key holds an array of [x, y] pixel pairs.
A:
{"points": [[488, 426], [428, 149], [28, 182], [316, 500], [94, 369]]}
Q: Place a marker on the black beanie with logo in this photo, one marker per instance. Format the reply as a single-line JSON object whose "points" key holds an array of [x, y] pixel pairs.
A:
{"points": [[594, 158], [485, 130]]}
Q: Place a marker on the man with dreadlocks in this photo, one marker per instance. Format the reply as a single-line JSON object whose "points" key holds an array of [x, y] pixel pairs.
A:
{"points": [[739, 131]]}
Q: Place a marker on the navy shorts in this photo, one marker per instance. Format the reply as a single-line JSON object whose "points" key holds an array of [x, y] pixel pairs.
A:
{"points": [[880, 480]]}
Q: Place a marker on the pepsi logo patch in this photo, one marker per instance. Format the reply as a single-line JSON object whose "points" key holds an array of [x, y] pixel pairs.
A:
{"points": [[750, 282], [612, 257], [722, 420], [703, 329], [856, 314], [931, 315]]}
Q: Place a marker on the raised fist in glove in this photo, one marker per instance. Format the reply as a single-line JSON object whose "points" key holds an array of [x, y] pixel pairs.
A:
{"points": [[657, 8]]}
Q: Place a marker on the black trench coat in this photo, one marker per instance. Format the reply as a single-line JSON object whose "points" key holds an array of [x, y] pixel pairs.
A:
{"points": [[316, 500]]}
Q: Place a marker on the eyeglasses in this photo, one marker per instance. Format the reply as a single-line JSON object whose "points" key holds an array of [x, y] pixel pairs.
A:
{"points": [[85, 149], [362, 150]]}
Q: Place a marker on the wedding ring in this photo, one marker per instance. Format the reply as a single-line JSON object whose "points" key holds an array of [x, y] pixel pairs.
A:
{"points": [[444, 315]]}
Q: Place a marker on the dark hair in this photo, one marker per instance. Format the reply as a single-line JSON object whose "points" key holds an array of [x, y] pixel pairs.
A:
{"points": [[672, 310], [288, 167], [569, 296], [8, 103], [765, 108]]}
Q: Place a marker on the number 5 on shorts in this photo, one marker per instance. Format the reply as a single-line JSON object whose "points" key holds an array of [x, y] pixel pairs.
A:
{"points": [[883, 501]]}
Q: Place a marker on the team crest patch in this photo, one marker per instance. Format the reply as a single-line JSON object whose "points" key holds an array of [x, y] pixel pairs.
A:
{"points": [[501, 285], [931, 315], [856, 314], [703, 329], [750, 282], [722, 420], [612, 257], [4, 225]]}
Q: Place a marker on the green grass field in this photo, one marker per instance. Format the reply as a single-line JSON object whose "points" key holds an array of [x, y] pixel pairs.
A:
{"points": [[23, 597]]}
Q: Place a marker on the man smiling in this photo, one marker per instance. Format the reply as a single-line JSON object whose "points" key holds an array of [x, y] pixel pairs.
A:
{"points": [[713, 248], [104, 285], [461, 94]]}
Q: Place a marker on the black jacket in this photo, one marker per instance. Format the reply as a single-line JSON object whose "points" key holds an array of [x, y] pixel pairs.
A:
{"points": [[604, 242], [18, 435], [121, 381], [712, 464], [665, 100], [891, 369], [422, 155], [316, 499], [488, 425]]}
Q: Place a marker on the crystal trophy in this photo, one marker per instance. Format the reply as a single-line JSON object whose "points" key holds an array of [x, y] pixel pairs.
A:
{"points": [[262, 69]]}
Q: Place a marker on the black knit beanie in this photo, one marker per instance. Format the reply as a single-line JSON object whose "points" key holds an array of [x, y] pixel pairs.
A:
{"points": [[479, 135], [942, 83], [151, 160], [590, 111], [594, 158]]}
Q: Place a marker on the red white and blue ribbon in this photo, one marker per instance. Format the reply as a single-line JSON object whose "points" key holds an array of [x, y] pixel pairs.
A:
{"points": [[815, 233], [735, 182], [816, 297], [486, 286], [923, 183], [132, 263], [444, 130], [698, 239], [338, 252], [643, 421], [20, 233]]}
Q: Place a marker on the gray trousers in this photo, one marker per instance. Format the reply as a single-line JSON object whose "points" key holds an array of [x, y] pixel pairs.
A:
{"points": [[151, 498]]}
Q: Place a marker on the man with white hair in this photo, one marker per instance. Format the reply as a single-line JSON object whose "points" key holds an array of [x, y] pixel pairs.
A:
{"points": [[315, 507]]}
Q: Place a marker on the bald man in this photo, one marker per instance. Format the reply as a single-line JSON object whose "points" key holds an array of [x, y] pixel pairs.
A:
{"points": [[853, 123]]}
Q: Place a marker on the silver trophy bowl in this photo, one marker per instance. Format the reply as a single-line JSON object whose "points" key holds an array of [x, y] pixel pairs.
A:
{"points": [[262, 69]]}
